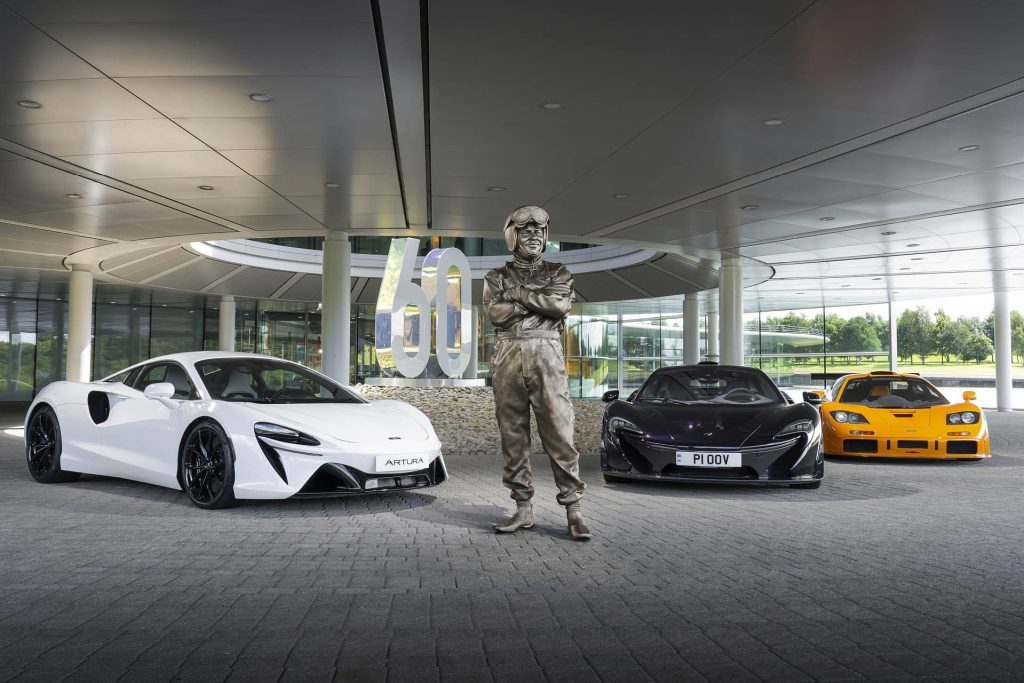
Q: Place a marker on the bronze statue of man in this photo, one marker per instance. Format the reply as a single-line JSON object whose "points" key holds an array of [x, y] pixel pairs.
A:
{"points": [[527, 300]]}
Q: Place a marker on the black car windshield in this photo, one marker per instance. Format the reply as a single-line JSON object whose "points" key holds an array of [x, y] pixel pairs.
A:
{"points": [[265, 380], [892, 392], [710, 385]]}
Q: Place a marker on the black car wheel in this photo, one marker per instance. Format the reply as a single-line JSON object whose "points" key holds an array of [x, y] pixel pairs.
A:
{"points": [[808, 485], [43, 448], [208, 466]]}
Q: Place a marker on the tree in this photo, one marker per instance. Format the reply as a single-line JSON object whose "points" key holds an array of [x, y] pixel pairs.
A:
{"points": [[1017, 335], [976, 347], [946, 340], [856, 336], [914, 333]]}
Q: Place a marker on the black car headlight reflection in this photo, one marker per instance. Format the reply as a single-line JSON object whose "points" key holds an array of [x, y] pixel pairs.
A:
{"points": [[965, 418], [808, 427], [284, 434], [848, 418], [617, 424]]}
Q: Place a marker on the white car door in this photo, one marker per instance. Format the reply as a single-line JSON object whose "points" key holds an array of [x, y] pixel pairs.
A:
{"points": [[141, 435]]}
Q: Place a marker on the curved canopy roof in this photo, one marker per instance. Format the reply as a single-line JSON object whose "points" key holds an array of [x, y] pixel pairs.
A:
{"points": [[860, 151]]}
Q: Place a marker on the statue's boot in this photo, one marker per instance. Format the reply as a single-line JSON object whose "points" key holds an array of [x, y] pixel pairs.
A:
{"points": [[578, 529], [522, 519]]}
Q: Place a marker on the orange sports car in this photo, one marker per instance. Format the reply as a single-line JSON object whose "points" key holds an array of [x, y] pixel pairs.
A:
{"points": [[892, 415]]}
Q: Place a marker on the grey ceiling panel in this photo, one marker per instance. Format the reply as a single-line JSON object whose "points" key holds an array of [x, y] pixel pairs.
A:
{"points": [[118, 261], [311, 185], [183, 225], [88, 99], [154, 265], [253, 282], [600, 286], [654, 281], [23, 238], [335, 204], [186, 189], [245, 206], [103, 137], [295, 221], [888, 170], [158, 164], [332, 161], [306, 289], [60, 11], [194, 276], [302, 105], [236, 47], [13, 259], [976, 188]]}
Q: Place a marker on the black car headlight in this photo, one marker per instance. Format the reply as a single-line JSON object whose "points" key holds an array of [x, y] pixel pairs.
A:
{"points": [[617, 423], [965, 418], [284, 434], [847, 417], [795, 428]]}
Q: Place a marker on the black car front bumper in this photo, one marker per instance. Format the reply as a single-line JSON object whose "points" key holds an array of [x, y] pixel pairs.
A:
{"points": [[788, 461]]}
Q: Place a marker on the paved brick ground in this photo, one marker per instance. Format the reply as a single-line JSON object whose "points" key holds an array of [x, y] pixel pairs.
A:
{"points": [[889, 571]]}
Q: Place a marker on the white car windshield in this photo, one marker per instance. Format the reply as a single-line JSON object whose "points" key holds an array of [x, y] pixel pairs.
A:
{"points": [[892, 392], [710, 385], [265, 380]]}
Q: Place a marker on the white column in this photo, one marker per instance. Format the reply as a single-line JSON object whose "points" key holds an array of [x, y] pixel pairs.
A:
{"points": [[730, 306], [691, 329], [713, 336], [337, 305], [894, 358], [80, 324], [1004, 360], [226, 333]]}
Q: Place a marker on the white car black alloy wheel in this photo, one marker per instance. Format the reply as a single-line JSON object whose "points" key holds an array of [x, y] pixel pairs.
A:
{"points": [[207, 467], [42, 448]]}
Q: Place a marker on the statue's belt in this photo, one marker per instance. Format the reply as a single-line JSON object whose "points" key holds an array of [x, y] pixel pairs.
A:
{"points": [[530, 334]]}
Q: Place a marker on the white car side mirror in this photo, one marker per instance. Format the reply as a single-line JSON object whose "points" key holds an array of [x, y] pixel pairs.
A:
{"points": [[159, 390]]}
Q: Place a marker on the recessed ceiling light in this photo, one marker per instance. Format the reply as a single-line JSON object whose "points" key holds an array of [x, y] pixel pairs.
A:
{"points": [[205, 187], [918, 258], [970, 148], [827, 218], [963, 283], [30, 104], [73, 195], [619, 196], [876, 278], [844, 285], [888, 233], [496, 188], [113, 302], [332, 185], [551, 106], [800, 292], [773, 122], [260, 97], [748, 207], [914, 244], [905, 268]]}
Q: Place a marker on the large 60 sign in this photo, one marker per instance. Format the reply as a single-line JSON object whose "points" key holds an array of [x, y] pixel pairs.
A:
{"points": [[406, 311]]}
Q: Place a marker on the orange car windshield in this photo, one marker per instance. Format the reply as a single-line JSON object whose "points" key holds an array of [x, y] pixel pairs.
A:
{"points": [[891, 392]]}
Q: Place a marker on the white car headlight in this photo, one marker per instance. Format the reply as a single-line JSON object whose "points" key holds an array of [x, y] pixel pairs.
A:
{"points": [[284, 434], [966, 417]]}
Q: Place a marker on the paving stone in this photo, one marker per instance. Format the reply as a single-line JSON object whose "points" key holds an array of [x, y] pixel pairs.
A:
{"points": [[890, 571]]}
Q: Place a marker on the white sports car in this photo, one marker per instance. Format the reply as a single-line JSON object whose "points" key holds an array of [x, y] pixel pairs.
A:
{"points": [[227, 426]]}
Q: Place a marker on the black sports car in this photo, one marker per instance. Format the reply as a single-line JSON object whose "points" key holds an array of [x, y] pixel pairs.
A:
{"points": [[711, 423]]}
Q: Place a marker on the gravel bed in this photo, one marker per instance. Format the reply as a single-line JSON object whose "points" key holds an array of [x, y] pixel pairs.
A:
{"points": [[464, 417]]}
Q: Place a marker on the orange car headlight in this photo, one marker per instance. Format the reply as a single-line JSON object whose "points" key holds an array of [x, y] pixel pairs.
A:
{"points": [[847, 417]]}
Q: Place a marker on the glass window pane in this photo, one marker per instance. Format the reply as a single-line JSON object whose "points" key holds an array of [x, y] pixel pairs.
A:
{"points": [[17, 349]]}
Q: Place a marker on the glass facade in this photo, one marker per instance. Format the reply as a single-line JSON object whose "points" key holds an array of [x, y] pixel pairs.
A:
{"points": [[607, 346]]}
